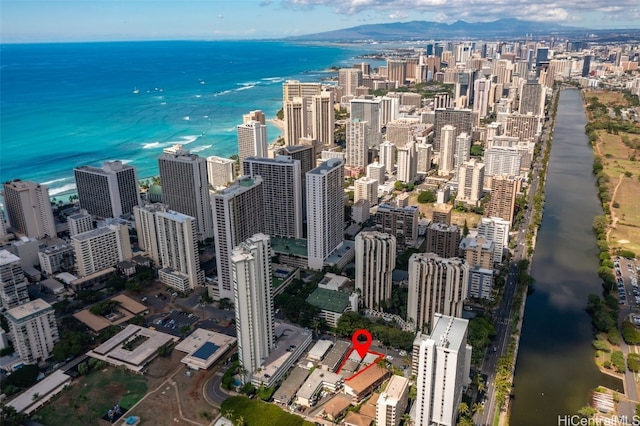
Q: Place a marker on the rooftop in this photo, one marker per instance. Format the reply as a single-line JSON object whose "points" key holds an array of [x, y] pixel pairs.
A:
{"points": [[289, 387], [329, 300], [173, 215], [40, 390], [327, 166], [204, 347], [449, 332], [396, 389], [7, 257], [289, 246], [98, 232], [33, 308]]}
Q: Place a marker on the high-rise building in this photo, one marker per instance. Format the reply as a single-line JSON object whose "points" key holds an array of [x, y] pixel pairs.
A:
{"points": [[101, 248], [256, 115], [437, 285], [392, 402], [376, 171], [349, 79], [407, 163], [425, 153], [396, 71], [443, 239], [527, 128], [185, 187], [147, 229], [460, 119], [442, 213], [402, 222], [375, 262], [443, 362], [481, 98], [502, 161], [399, 133], [366, 109], [13, 283], [110, 191], [294, 88], [325, 211], [480, 282], [295, 120], [252, 140], [366, 189], [357, 143], [220, 171], [477, 252], [28, 208], [323, 117], [281, 194], [178, 245], [388, 156], [586, 65], [463, 151], [57, 258], [238, 213], [496, 230], [532, 99], [33, 330], [446, 165], [253, 300], [79, 222], [503, 197], [470, 182]]}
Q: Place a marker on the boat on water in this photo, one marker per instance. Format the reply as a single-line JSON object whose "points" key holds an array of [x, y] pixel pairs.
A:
{"points": [[135, 91]]}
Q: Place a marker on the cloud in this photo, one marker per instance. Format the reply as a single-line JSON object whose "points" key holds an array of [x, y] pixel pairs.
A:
{"points": [[398, 15], [265, 3], [220, 16], [479, 10]]}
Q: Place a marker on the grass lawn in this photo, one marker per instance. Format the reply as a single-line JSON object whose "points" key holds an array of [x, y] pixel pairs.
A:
{"points": [[258, 413], [90, 397]]}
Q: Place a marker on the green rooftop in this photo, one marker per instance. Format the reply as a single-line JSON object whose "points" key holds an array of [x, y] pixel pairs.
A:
{"points": [[329, 300], [289, 246]]}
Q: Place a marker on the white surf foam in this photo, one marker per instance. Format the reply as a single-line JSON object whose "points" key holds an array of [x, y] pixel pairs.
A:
{"points": [[49, 182], [151, 145], [245, 87], [62, 189], [200, 148]]}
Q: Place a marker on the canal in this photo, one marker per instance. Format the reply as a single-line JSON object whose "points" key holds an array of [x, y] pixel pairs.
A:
{"points": [[555, 371]]}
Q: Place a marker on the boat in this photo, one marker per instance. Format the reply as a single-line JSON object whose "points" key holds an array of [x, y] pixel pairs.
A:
{"points": [[135, 91]]}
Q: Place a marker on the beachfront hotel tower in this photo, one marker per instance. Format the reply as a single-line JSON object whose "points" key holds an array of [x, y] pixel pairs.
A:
{"points": [[238, 213], [28, 208], [108, 191], [185, 187], [375, 262], [252, 275], [325, 211], [252, 140]]}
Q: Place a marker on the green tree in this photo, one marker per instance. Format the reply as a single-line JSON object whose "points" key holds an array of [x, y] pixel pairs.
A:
{"points": [[10, 417], [463, 409], [426, 197]]}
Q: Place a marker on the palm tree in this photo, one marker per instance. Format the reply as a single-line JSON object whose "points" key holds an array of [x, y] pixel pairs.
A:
{"points": [[240, 421], [477, 408], [406, 419], [463, 408]]}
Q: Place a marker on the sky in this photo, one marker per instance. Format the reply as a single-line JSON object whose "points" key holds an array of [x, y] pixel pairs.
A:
{"points": [[94, 20]]}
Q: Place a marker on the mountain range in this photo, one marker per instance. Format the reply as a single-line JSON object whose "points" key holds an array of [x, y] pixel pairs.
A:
{"points": [[423, 30]]}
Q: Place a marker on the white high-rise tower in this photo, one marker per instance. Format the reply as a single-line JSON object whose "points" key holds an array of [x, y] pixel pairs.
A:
{"points": [[375, 262]]}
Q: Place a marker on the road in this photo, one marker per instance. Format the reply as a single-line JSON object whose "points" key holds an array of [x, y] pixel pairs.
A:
{"points": [[626, 273], [502, 314]]}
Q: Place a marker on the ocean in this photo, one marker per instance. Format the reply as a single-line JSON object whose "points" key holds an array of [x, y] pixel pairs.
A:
{"points": [[72, 104]]}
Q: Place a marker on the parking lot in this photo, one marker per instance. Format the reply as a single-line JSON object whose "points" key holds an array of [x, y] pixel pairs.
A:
{"points": [[626, 272], [175, 322]]}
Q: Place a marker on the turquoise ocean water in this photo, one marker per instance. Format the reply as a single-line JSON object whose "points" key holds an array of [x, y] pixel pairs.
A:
{"points": [[67, 105]]}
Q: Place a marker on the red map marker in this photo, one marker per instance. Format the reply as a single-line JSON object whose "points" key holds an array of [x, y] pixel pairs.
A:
{"points": [[361, 346]]}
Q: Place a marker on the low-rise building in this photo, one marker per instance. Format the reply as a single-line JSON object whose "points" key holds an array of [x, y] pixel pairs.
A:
{"points": [[333, 304], [204, 348], [309, 392], [365, 382], [392, 403]]}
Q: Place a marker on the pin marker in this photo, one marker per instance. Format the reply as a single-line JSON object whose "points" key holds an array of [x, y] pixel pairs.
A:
{"points": [[361, 346]]}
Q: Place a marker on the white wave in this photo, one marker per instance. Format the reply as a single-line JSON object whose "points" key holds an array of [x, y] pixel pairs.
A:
{"points": [[224, 92], [186, 118], [205, 116], [203, 82], [200, 148], [187, 139], [61, 190], [248, 83], [274, 79], [49, 182], [198, 96], [151, 145], [230, 129], [163, 103], [245, 87]]}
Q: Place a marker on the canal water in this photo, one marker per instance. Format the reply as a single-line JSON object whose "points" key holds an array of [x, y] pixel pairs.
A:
{"points": [[555, 371]]}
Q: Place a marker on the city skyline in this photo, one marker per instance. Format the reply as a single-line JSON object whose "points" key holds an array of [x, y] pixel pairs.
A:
{"points": [[73, 20]]}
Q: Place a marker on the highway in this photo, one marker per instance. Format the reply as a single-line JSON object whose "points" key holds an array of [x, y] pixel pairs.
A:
{"points": [[502, 314]]}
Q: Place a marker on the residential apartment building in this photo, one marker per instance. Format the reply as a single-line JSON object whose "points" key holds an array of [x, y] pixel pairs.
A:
{"points": [[503, 197], [13, 283], [497, 230], [393, 402], [470, 183], [437, 285], [401, 222], [33, 330], [443, 239], [366, 189], [325, 211], [101, 248], [252, 140], [220, 171], [375, 262]]}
